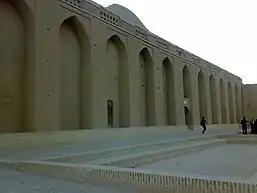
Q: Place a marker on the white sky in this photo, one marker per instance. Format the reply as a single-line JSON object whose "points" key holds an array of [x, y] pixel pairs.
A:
{"points": [[223, 32]]}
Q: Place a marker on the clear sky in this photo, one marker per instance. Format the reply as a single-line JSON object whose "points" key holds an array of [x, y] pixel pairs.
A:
{"points": [[223, 32]]}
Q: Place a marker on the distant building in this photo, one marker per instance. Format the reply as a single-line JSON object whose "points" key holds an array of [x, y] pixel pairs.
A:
{"points": [[251, 101], [73, 64]]}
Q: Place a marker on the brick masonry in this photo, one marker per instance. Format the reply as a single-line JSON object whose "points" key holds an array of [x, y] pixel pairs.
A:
{"points": [[176, 184]]}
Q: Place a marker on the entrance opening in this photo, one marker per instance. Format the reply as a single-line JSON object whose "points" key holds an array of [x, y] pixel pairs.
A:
{"points": [[187, 117], [110, 113]]}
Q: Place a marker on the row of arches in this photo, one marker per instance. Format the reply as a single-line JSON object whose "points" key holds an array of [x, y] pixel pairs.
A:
{"points": [[74, 56], [233, 106]]}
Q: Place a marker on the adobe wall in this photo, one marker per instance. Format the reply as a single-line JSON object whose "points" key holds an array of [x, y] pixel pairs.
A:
{"points": [[69, 66], [250, 100]]}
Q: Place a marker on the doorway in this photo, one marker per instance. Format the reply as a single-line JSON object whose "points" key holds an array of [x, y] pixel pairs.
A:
{"points": [[110, 113], [187, 117]]}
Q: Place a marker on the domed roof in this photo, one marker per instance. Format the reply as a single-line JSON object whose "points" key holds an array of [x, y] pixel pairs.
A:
{"points": [[126, 15]]}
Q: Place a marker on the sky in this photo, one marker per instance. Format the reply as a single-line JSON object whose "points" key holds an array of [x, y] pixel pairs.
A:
{"points": [[223, 32]]}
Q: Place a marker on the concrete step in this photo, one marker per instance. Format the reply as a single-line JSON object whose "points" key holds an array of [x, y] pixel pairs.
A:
{"points": [[147, 157], [91, 157]]}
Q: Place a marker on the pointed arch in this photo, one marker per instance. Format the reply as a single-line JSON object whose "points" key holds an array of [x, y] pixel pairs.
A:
{"points": [[237, 103], [146, 87], [202, 94], [231, 105], [75, 91], [187, 94], [214, 102], [16, 37], [223, 102], [119, 79], [168, 91]]}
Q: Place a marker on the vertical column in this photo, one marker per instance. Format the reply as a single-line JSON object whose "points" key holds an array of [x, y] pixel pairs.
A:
{"points": [[46, 67], [178, 90], [243, 100], [239, 102], [208, 97], [234, 103], [134, 82], [218, 91], [160, 113], [194, 102], [98, 56], [227, 101]]}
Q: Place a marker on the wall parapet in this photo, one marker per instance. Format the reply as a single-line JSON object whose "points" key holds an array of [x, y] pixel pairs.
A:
{"points": [[96, 9]]}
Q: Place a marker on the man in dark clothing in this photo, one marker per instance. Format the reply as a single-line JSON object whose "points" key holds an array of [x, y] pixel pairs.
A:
{"points": [[252, 126], [244, 125], [203, 124]]}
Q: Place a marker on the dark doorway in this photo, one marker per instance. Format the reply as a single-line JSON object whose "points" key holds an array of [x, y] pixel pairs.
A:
{"points": [[110, 113], [187, 117]]}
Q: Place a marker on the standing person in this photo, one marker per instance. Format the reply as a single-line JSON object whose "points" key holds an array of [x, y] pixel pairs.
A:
{"points": [[255, 127], [252, 126], [203, 124], [244, 125]]}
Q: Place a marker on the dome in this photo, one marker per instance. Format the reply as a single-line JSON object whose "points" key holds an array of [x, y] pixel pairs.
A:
{"points": [[126, 15]]}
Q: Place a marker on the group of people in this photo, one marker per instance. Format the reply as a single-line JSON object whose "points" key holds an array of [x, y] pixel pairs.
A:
{"points": [[253, 125]]}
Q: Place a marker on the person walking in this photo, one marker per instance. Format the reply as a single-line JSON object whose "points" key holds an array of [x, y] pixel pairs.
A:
{"points": [[244, 126], [203, 124]]}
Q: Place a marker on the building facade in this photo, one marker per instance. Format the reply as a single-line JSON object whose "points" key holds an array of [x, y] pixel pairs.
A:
{"points": [[73, 64], [250, 100]]}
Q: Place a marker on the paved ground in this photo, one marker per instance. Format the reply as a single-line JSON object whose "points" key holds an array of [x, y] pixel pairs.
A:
{"points": [[235, 161], [97, 144], [20, 182]]}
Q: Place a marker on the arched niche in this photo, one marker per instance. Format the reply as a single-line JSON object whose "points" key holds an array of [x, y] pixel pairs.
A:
{"points": [[118, 81], [223, 102], [202, 95], [231, 105], [168, 91], [75, 87], [16, 64], [146, 87], [186, 82], [214, 104]]}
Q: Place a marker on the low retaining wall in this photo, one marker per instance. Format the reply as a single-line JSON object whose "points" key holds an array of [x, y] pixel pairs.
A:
{"points": [[145, 180]]}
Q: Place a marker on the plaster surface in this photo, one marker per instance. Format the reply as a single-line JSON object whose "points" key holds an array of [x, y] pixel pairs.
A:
{"points": [[92, 67]]}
